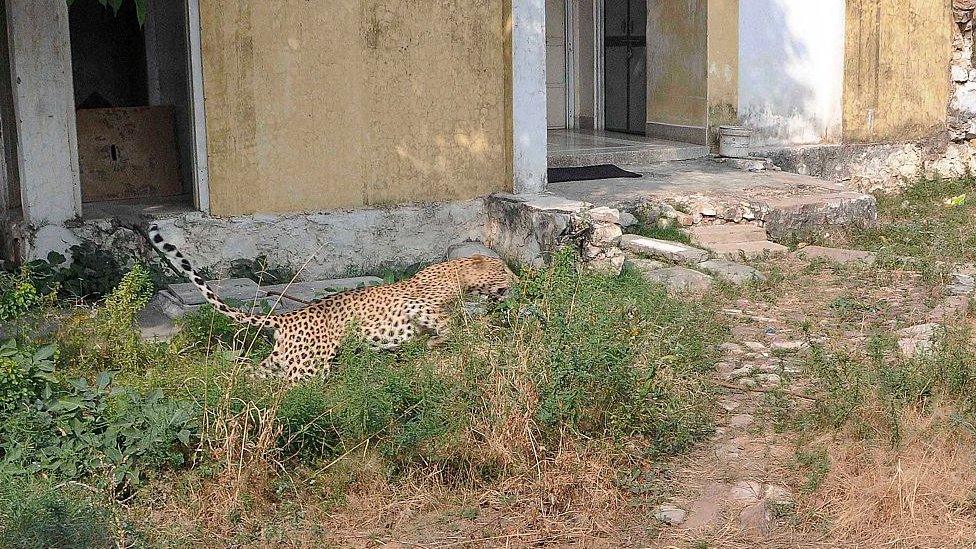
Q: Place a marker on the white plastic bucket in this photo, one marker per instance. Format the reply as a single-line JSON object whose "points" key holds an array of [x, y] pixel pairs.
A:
{"points": [[734, 141]]}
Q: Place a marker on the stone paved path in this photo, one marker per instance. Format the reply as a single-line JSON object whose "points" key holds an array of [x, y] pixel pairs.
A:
{"points": [[742, 488]]}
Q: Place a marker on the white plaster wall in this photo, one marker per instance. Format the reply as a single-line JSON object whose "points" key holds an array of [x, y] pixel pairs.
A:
{"points": [[791, 70], [320, 245], [529, 95]]}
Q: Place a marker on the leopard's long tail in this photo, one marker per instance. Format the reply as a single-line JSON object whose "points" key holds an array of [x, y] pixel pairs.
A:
{"points": [[182, 265]]}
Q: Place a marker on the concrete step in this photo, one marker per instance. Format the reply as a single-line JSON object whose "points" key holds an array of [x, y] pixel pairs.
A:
{"points": [[749, 250], [836, 255], [663, 249], [730, 233]]}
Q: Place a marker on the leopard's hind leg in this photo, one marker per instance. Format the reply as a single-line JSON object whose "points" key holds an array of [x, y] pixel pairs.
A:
{"points": [[311, 360]]}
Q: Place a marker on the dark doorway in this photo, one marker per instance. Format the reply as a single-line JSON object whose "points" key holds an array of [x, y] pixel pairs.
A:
{"points": [[625, 65], [132, 101]]}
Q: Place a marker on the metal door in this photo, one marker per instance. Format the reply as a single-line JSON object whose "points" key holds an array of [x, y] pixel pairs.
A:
{"points": [[625, 65]]}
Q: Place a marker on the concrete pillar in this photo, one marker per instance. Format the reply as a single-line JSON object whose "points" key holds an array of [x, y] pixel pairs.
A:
{"points": [[529, 95], [43, 99]]}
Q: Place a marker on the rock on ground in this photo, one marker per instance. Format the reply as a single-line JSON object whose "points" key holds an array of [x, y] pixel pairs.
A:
{"points": [[836, 255], [663, 249], [731, 271], [680, 279]]}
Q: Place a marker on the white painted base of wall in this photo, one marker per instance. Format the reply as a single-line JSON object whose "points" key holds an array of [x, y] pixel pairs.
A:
{"points": [[321, 245]]}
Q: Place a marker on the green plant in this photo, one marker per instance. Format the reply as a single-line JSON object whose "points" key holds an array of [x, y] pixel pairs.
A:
{"points": [[108, 339], [25, 374], [76, 430], [33, 513], [260, 270], [17, 294]]}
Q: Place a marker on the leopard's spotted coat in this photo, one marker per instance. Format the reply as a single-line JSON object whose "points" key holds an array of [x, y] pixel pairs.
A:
{"points": [[306, 340]]}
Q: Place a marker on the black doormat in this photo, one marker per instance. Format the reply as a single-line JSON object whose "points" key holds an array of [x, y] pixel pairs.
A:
{"points": [[587, 173]]}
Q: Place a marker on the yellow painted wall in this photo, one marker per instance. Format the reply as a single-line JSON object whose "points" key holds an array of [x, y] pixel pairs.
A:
{"points": [[896, 69], [676, 62], [723, 64], [319, 105]]}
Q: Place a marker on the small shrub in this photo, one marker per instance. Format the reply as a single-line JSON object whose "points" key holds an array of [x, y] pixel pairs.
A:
{"points": [[25, 374], [108, 338], [73, 430], [17, 295], [35, 514]]}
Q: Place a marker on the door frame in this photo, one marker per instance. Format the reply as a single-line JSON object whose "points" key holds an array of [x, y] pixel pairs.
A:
{"points": [[571, 64], [198, 113], [599, 88]]}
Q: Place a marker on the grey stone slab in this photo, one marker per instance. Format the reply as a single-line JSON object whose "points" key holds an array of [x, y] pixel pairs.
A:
{"points": [[310, 291], [232, 288], [709, 235], [663, 249], [836, 255], [645, 265], [155, 322], [749, 250], [730, 271], [680, 279]]}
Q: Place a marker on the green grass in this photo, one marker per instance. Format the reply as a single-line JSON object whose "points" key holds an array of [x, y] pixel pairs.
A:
{"points": [[866, 394], [919, 225], [612, 366]]}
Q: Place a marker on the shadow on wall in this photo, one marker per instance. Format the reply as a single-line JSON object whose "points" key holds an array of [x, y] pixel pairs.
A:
{"points": [[791, 57]]}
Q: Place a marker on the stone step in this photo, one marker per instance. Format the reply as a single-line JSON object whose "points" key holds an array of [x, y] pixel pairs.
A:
{"points": [[680, 279], [730, 271], [310, 291], [749, 250], [835, 255], [711, 235], [240, 289], [663, 249]]}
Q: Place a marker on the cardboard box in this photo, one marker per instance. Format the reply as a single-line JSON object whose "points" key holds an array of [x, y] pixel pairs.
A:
{"points": [[127, 153]]}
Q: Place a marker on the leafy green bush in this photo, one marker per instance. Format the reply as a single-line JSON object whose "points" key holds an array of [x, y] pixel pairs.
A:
{"points": [[108, 339], [25, 374], [17, 294], [74, 429], [35, 514]]}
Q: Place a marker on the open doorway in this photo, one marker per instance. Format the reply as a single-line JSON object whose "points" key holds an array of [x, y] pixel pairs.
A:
{"points": [[134, 103], [599, 88]]}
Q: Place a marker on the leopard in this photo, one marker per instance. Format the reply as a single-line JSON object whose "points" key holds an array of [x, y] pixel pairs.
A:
{"points": [[385, 316]]}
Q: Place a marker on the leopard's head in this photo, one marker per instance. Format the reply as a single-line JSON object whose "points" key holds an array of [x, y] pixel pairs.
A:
{"points": [[487, 276]]}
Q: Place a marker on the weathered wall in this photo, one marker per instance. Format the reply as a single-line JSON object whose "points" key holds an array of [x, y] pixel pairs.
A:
{"points": [[896, 79], [676, 67], [791, 70], [367, 102], [320, 245], [723, 64]]}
